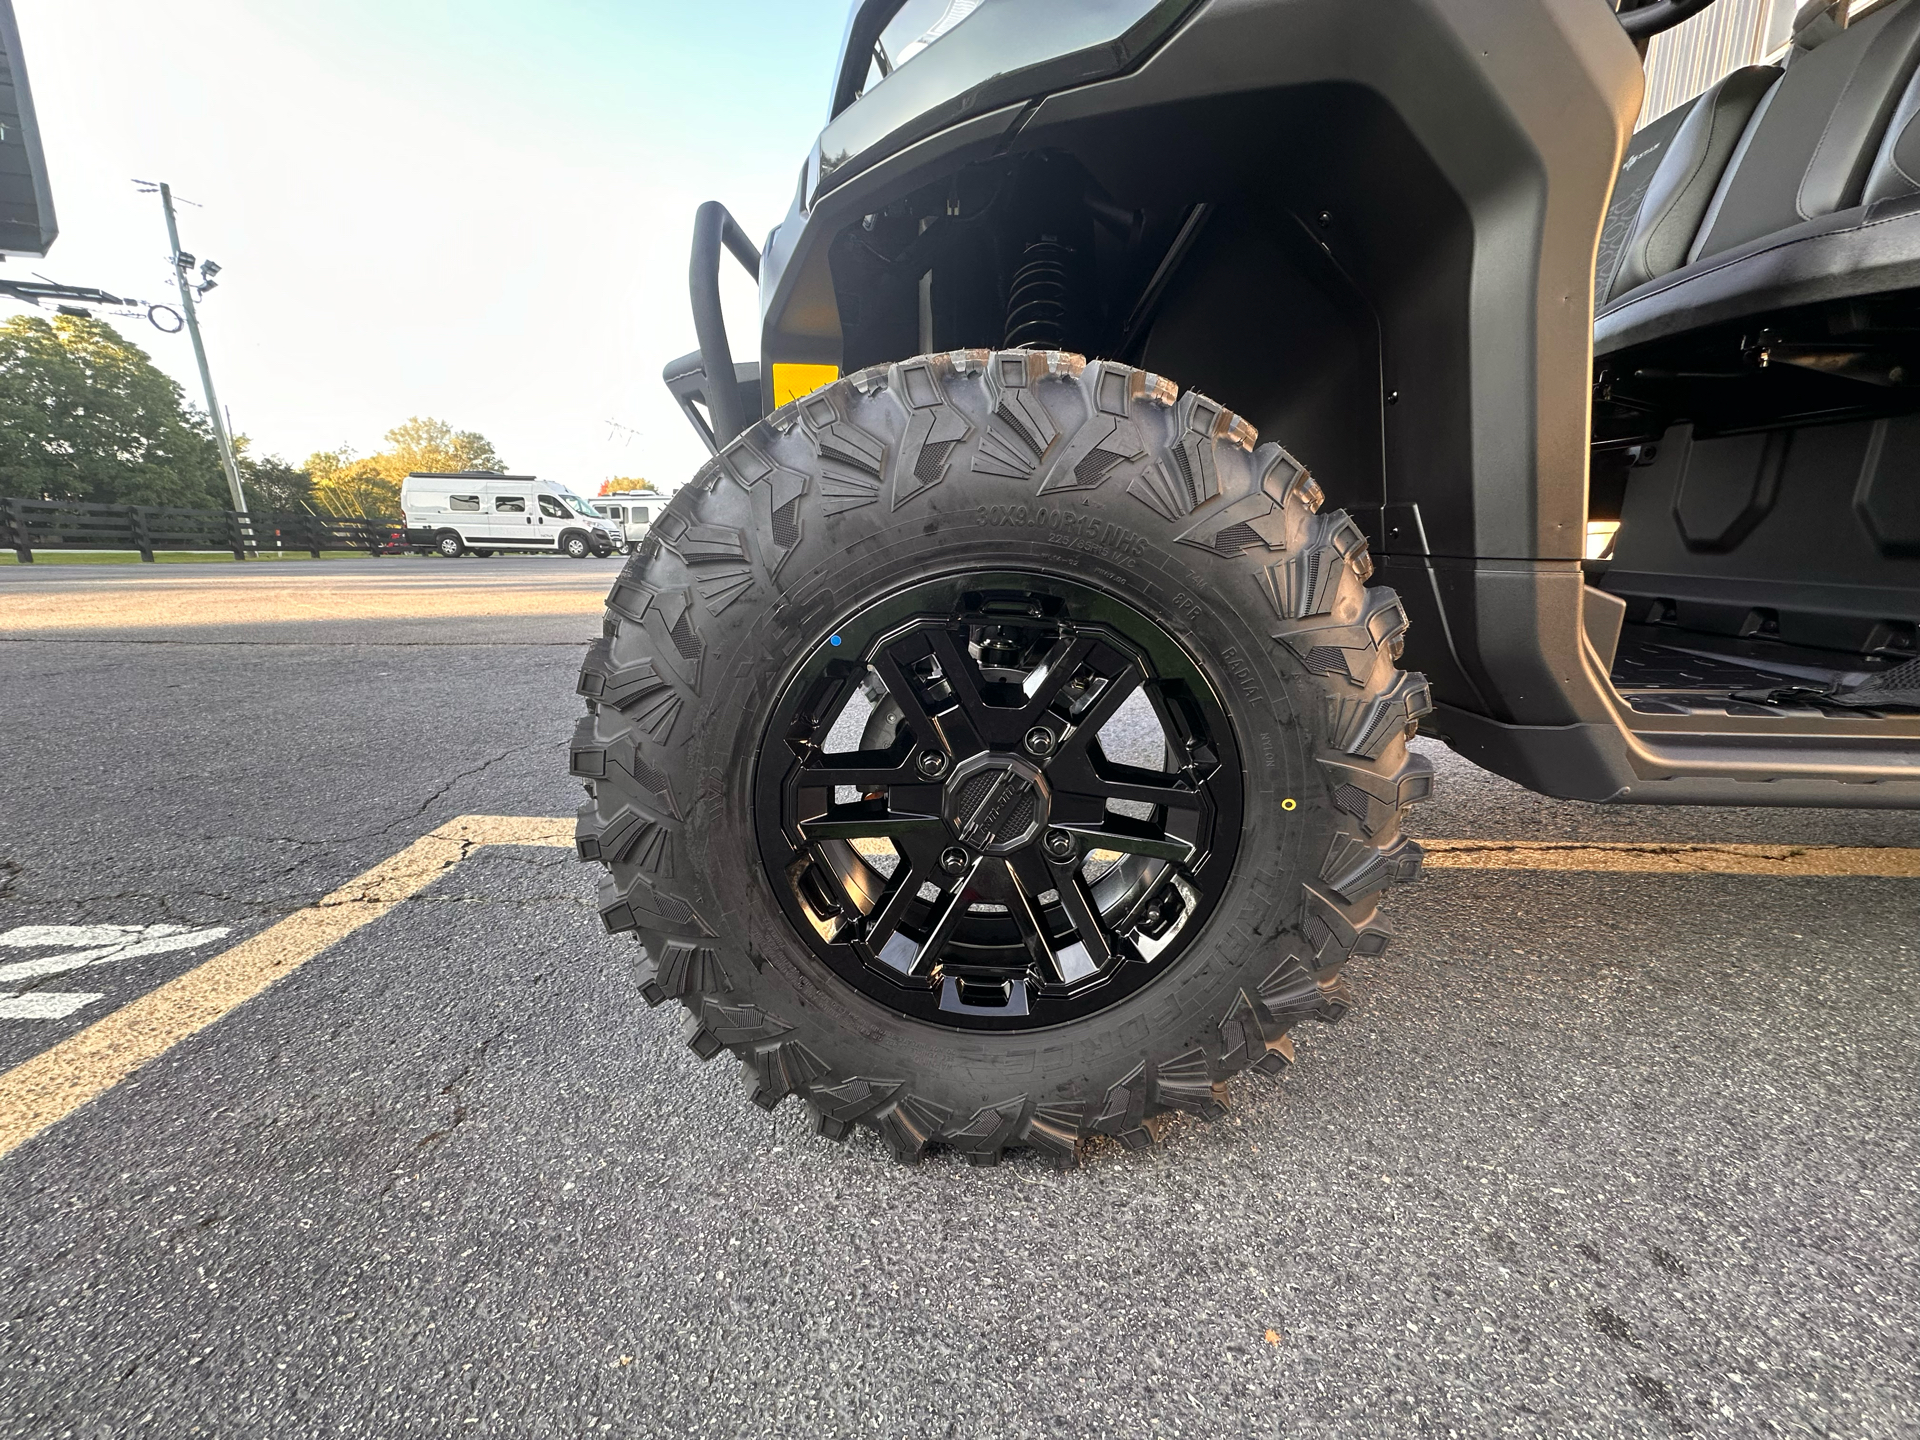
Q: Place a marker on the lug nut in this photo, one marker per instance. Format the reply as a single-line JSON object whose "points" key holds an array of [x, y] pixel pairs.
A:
{"points": [[932, 764], [1040, 741], [1058, 844], [953, 859]]}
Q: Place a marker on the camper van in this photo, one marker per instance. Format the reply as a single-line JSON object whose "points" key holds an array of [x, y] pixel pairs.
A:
{"points": [[481, 511], [630, 512]]}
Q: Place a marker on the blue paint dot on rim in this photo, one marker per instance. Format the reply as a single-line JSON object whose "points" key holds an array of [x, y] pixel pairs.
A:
{"points": [[833, 640]]}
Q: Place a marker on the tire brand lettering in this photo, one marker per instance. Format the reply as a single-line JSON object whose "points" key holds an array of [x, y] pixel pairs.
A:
{"points": [[1087, 532]]}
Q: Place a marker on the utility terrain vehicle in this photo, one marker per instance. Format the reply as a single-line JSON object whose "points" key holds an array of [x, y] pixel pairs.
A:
{"points": [[1000, 744]]}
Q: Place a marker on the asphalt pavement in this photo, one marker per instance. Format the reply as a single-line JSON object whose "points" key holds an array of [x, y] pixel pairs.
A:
{"points": [[1598, 1155]]}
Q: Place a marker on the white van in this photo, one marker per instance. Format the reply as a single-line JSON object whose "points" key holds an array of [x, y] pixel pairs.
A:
{"points": [[482, 511], [631, 512]]}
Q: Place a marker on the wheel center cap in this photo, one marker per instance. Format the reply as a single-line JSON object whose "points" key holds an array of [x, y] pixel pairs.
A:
{"points": [[995, 803]]}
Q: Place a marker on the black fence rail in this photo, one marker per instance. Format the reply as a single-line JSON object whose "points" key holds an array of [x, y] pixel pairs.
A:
{"points": [[29, 525]]}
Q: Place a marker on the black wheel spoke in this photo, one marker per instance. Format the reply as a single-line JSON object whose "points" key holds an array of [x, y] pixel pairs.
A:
{"points": [[1136, 838], [997, 880], [1141, 787], [957, 669], [884, 923], [861, 769], [919, 846], [948, 727], [835, 826], [1056, 672], [1092, 950], [1104, 706], [902, 952]]}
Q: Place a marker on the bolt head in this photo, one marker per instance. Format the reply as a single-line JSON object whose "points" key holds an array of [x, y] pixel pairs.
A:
{"points": [[1040, 741], [932, 764], [1058, 844], [953, 859]]}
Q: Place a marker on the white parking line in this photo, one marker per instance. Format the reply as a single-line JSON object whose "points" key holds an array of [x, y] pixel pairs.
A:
{"points": [[60, 1079], [46, 1004], [76, 947]]}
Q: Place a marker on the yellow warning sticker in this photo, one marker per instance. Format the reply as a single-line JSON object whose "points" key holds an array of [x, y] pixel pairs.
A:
{"points": [[790, 382]]}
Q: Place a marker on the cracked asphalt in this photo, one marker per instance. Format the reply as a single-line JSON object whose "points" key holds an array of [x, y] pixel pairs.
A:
{"points": [[1599, 1154]]}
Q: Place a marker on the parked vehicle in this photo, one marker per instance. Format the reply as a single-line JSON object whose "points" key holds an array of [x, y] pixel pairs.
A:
{"points": [[631, 513], [1064, 737], [481, 511]]}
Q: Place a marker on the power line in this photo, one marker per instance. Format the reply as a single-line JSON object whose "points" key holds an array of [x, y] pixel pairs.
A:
{"points": [[86, 299]]}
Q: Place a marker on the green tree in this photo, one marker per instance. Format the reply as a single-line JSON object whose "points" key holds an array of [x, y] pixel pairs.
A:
{"points": [[271, 483], [85, 415], [349, 484], [425, 444], [346, 484]]}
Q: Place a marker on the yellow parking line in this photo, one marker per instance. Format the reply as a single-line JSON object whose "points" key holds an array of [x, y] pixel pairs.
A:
{"points": [[1652, 857], [59, 1080], [53, 1084]]}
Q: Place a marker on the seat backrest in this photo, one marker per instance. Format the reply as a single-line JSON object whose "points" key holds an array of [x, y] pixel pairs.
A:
{"points": [[1810, 146], [1679, 184], [1896, 170], [1644, 153]]}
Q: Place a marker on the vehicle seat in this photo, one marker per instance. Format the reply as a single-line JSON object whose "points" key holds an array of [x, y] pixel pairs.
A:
{"points": [[1896, 171], [1814, 139], [1681, 158], [1817, 203]]}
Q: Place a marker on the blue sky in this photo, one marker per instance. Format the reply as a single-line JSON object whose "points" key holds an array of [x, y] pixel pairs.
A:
{"points": [[478, 211]]}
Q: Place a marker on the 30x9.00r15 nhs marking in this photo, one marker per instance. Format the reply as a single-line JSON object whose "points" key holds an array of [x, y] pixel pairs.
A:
{"points": [[1081, 485]]}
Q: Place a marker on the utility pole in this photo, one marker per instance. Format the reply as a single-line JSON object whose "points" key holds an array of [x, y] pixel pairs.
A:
{"points": [[182, 265]]}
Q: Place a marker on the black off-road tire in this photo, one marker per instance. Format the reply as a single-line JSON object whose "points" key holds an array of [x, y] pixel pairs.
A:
{"points": [[1043, 463]]}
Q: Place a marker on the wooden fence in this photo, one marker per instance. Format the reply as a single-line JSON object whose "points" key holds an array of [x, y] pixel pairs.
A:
{"points": [[29, 525]]}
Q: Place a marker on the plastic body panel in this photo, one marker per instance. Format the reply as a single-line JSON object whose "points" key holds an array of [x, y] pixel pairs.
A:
{"points": [[1499, 96], [1479, 274], [1833, 506]]}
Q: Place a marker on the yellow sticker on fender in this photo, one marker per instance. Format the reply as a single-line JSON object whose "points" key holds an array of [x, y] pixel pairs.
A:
{"points": [[790, 382]]}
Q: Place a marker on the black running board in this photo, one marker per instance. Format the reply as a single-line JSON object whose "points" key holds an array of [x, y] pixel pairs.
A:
{"points": [[1610, 763]]}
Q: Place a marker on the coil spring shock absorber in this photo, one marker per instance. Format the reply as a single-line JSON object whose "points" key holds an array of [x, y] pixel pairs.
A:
{"points": [[1037, 299]]}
